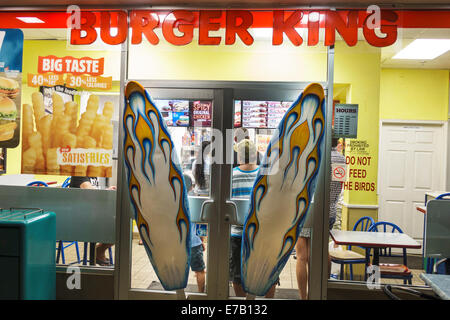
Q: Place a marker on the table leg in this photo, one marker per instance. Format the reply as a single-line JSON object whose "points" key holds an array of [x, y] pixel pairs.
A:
{"points": [[367, 262], [376, 256], [92, 252]]}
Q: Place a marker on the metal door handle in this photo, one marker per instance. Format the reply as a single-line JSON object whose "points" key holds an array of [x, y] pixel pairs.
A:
{"points": [[205, 203], [232, 219]]}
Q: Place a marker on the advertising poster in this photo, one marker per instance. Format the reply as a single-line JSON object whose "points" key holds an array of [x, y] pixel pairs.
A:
{"points": [[11, 54], [237, 114], [201, 114], [262, 141], [254, 114], [174, 112], [63, 142]]}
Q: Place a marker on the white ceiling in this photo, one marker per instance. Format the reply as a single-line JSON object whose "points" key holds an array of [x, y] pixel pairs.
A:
{"points": [[405, 36]]}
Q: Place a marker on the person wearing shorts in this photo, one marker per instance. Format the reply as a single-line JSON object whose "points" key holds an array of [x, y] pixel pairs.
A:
{"points": [[197, 261], [242, 184]]}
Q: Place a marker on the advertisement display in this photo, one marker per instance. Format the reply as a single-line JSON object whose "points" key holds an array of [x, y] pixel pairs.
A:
{"points": [[62, 142], [174, 112], [237, 114], [201, 114], [11, 52]]}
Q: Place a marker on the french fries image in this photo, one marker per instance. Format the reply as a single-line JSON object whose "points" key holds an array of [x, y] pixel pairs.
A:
{"points": [[38, 106], [27, 125], [68, 140], [71, 110], [45, 130], [52, 164], [35, 141], [29, 160], [45, 136]]}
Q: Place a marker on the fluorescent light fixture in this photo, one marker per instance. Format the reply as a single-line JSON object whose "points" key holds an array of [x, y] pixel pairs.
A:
{"points": [[424, 49], [30, 20]]}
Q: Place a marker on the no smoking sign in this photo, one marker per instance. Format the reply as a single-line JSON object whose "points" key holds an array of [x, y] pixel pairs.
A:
{"points": [[338, 172]]}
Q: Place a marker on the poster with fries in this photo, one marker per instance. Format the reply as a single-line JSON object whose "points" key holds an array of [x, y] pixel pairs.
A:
{"points": [[11, 49], [64, 143]]}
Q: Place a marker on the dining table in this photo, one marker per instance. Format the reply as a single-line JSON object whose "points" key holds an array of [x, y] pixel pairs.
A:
{"points": [[374, 240]]}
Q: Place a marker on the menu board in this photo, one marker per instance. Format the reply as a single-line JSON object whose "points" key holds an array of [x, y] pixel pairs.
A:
{"points": [[260, 114], [201, 114], [174, 112], [276, 111], [254, 114], [237, 114]]}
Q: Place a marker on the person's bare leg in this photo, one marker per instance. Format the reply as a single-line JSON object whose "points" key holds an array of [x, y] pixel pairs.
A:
{"points": [[302, 250], [101, 251], [271, 292], [238, 290], [200, 275]]}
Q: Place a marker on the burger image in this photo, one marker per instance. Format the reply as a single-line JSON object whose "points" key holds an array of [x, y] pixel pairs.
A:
{"points": [[183, 121], [8, 114], [8, 88]]}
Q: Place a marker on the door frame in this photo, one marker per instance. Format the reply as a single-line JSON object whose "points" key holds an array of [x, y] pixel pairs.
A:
{"points": [[223, 95]]}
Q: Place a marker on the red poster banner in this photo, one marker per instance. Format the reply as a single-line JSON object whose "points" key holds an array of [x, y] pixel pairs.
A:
{"points": [[75, 66]]}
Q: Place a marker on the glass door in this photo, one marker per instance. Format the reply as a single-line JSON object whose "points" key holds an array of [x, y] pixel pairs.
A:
{"points": [[212, 117]]}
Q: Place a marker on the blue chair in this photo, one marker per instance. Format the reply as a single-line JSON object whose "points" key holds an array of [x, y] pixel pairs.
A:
{"points": [[348, 256], [66, 183], [61, 243], [392, 271], [37, 184]]}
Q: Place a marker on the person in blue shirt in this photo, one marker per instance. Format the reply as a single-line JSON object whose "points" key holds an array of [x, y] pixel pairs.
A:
{"points": [[242, 184]]}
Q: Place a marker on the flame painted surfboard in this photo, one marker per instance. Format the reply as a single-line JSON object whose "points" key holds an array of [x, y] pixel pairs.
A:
{"points": [[282, 192], [157, 190]]}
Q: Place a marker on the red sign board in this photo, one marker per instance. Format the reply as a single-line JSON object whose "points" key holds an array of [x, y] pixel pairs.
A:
{"points": [[75, 66], [236, 23]]}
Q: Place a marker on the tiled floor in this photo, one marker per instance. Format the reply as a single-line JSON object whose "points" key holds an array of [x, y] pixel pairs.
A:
{"points": [[143, 275]]}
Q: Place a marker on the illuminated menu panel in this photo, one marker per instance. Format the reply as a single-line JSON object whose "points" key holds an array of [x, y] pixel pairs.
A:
{"points": [[254, 114]]}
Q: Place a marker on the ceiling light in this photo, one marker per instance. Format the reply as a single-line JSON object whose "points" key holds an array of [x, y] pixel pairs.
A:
{"points": [[30, 20], [424, 49]]}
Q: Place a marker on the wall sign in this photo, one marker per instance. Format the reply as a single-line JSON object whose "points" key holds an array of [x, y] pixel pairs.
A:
{"points": [[346, 120], [11, 49], [236, 23], [83, 73], [339, 172]]}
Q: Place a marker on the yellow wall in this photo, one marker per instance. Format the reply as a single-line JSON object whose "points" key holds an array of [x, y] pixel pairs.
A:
{"points": [[414, 94], [360, 67], [32, 50], [259, 62]]}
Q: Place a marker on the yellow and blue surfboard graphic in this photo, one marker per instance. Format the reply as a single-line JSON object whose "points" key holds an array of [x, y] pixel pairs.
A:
{"points": [[157, 190], [282, 192]]}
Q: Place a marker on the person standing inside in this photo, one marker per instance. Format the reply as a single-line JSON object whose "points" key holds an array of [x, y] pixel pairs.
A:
{"points": [[302, 246], [92, 183], [197, 261], [242, 184]]}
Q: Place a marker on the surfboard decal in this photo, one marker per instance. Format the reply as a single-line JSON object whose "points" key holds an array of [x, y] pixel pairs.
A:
{"points": [[157, 190], [281, 195]]}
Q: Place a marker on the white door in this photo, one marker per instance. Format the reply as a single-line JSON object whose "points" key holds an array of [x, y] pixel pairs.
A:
{"points": [[411, 163]]}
